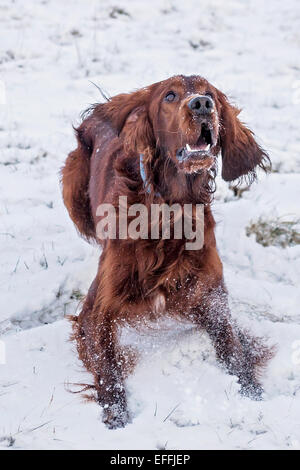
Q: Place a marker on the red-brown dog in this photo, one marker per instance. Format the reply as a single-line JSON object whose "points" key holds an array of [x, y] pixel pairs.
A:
{"points": [[158, 144]]}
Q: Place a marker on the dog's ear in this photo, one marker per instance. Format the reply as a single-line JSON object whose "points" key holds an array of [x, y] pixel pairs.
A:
{"points": [[128, 114], [75, 177], [138, 131], [241, 154]]}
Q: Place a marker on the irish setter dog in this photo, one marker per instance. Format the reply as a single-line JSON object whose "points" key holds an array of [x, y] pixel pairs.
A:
{"points": [[158, 144]]}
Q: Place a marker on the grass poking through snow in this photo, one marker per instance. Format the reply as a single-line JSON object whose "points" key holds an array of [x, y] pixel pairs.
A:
{"points": [[275, 232]]}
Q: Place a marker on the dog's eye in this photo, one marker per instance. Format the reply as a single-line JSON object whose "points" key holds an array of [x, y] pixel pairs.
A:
{"points": [[170, 96]]}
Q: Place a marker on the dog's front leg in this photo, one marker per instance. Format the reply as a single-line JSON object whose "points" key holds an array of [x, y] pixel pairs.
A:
{"points": [[240, 352], [96, 335], [109, 381]]}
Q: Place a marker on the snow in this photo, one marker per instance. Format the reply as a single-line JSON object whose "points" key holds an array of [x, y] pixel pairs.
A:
{"points": [[179, 396]]}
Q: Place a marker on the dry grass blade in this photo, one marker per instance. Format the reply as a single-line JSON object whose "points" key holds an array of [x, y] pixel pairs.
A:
{"points": [[275, 232]]}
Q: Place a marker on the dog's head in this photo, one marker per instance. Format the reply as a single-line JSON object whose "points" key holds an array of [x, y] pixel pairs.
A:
{"points": [[187, 122]]}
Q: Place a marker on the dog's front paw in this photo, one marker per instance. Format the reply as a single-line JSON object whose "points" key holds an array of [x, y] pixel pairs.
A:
{"points": [[115, 416], [253, 391]]}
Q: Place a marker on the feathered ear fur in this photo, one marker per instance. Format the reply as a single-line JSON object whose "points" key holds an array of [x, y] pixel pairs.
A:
{"points": [[138, 132], [241, 154], [128, 113], [75, 179]]}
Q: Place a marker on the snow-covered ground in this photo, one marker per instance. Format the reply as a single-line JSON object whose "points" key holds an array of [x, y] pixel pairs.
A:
{"points": [[179, 396]]}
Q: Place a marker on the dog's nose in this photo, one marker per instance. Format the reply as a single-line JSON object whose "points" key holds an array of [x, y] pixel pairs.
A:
{"points": [[201, 105]]}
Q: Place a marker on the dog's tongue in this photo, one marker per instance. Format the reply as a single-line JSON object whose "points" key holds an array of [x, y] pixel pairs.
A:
{"points": [[203, 145]]}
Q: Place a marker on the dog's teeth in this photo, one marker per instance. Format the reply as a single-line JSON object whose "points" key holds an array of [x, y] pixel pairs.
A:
{"points": [[189, 149]]}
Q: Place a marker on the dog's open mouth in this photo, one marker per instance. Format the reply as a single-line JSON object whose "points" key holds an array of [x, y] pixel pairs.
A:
{"points": [[202, 148]]}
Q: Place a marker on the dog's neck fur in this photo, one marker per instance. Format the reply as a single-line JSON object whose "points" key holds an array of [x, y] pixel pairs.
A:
{"points": [[159, 177], [174, 185]]}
